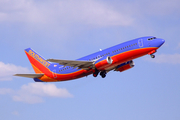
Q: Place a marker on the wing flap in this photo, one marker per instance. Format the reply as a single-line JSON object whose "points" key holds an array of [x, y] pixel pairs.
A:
{"points": [[73, 63], [30, 75]]}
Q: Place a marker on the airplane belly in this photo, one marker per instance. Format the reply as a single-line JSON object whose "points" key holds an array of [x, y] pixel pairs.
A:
{"points": [[74, 75]]}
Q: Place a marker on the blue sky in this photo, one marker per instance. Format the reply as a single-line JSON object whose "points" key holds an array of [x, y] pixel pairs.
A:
{"points": [[74, 28]]}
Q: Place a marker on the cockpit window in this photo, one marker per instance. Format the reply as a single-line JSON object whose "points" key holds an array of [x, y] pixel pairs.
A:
{"points": [[152, 38]]}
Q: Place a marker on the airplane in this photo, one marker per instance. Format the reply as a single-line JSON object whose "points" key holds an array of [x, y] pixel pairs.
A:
{"points": [[118, 58]]}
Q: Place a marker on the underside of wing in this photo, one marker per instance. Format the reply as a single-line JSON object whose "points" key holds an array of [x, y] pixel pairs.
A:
{"points": [[74, 63], [29, 75]]}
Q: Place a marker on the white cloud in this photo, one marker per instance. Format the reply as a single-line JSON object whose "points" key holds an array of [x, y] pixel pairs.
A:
{"points": [[88, 12], [45, 90], [162, 7], [19, 10], [151, 7], [7, 71], [166, 58], [35, 92], [97, 13]]}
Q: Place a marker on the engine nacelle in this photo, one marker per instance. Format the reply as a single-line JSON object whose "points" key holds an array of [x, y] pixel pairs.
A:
{"points": [[125, 66], [109, 60], [103, 64]]}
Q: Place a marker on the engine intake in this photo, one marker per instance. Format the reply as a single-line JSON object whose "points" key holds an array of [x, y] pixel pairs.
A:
{"points": [[102, 64], [109, 60]]}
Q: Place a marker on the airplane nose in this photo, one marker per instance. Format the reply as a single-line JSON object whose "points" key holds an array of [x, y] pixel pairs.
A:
{"points": [[161, 42]]}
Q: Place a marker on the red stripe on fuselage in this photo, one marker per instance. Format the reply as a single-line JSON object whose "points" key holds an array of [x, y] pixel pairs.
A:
{"points": [[124, 57]]}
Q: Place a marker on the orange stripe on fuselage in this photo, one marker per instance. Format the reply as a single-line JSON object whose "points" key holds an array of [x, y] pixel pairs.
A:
{"points": [[44, 77]]}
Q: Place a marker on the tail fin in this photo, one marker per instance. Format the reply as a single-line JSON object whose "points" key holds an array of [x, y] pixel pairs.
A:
{"points": [[39, 64]]}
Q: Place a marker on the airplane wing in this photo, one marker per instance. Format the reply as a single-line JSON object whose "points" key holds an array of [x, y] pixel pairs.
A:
{"points": [[29, 75], [74, 63]]}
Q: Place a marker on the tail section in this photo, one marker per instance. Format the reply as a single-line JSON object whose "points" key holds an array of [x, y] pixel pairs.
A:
{"points": [[39, 64], [42, 68]]}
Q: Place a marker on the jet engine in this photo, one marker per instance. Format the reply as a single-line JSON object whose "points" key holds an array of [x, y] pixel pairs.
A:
{"points": [[125, 66], [104, 63], [109, 60]]}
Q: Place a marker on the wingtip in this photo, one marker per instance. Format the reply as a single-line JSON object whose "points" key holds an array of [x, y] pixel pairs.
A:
{"points": [[15, 75]]}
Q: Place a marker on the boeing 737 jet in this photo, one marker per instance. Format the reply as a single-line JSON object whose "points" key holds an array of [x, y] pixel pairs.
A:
{"points": [[117, 58]]}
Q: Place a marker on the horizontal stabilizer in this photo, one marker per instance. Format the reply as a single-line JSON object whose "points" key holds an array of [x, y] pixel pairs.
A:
{"points": [[29, 75]]}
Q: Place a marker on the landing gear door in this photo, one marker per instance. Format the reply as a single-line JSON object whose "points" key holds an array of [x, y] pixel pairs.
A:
{"points": [[140, 42]]}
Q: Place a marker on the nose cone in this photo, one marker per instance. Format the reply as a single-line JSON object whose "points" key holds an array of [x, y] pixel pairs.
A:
{"points": [[160, 42], [163, 41]]}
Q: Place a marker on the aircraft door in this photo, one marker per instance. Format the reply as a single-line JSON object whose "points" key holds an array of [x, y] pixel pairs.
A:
{"points": [[140, 42], [54, 73]]}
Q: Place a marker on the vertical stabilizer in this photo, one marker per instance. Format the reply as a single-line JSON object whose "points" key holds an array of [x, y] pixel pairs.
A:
{"points": [[39, 64]]}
